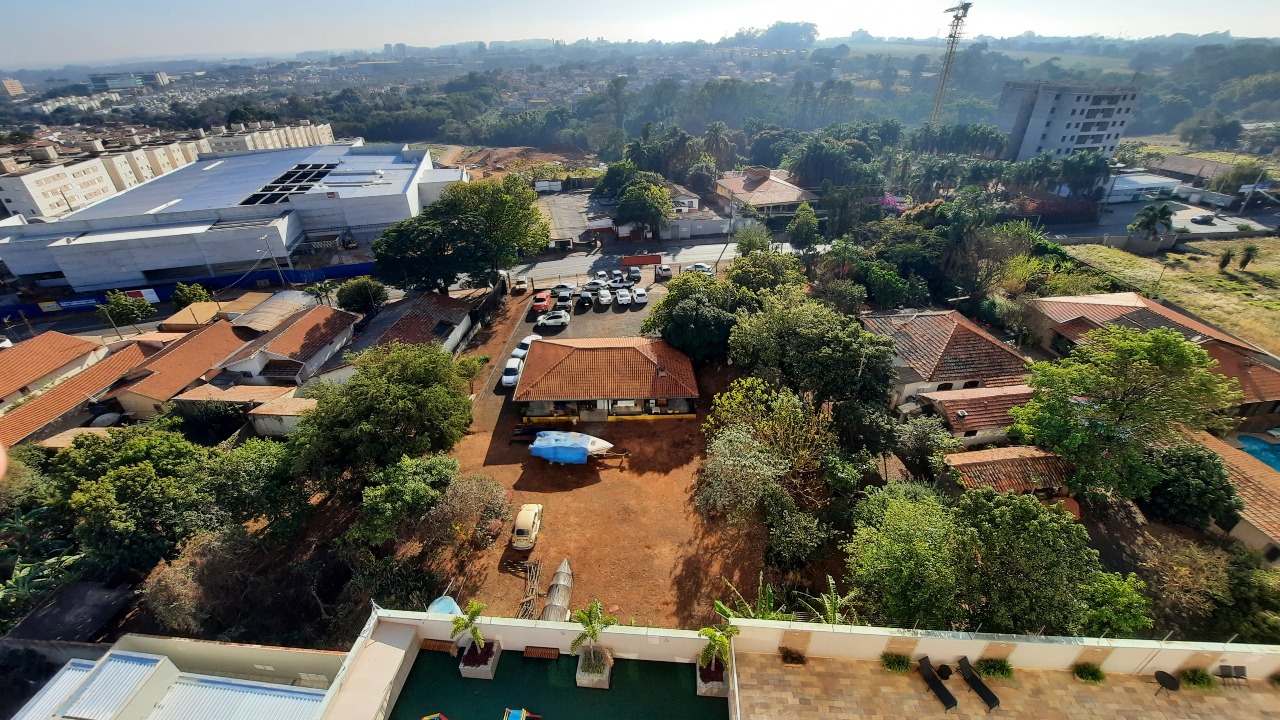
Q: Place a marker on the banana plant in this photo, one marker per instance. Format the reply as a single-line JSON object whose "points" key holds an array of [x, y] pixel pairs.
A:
{"points": [[831, 607], [766, 607], [467, 624], [717, 647]]}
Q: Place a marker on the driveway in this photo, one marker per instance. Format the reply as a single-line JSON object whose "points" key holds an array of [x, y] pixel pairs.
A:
{"points": [[1116, 218]]}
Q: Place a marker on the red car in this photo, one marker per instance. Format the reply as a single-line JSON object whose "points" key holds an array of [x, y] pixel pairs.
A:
{"points": [[542, 301]]}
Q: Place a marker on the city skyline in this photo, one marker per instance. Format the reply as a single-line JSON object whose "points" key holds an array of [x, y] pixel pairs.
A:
{"points": [[278, 30]]}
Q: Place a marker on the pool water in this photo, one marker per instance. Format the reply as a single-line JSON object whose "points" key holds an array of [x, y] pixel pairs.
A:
{"points": [[1268, 453]]}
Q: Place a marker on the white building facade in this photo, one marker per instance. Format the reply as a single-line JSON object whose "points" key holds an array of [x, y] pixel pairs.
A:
{"points": [[1064, 118]]}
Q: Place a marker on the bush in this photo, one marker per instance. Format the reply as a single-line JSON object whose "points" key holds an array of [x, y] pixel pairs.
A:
{"points": [[1198, 678], [1245, 227], [361, 295], [1274, 680], [993, 668], [794, 538], [895, 663], [1088, 672]]}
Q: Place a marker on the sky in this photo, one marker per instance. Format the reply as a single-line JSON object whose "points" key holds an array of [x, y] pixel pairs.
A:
{"points": [[95, 31]]}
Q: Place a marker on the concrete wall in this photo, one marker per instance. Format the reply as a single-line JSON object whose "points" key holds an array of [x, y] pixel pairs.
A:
{"points": [[262, 663], [1133, 657], [1246, 533]]}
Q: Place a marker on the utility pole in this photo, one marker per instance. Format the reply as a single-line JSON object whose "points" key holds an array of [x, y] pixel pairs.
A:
{"points": [[1245, 206], [959, 13], [272, 256]]}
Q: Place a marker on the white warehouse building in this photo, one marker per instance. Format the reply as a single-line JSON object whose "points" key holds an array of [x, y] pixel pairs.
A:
{"points": [[223, 213], [1063, 118]]}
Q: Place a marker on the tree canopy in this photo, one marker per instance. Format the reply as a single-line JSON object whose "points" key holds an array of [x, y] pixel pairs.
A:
{"points": [[362, 295], [697, 315]]}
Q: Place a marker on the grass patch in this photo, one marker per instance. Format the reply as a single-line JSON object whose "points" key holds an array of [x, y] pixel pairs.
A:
{"points": [[895, 663], [1089, 673], [991, 668]]}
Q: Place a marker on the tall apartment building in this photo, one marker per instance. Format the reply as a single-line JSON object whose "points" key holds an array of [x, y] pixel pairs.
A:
{"points": [[11, 87], [53, 190], [1063, 118], [268, 136], [115, 81]]}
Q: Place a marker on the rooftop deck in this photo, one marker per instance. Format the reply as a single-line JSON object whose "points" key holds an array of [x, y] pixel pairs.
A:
{"points": [[546, 687], [830, 688]]}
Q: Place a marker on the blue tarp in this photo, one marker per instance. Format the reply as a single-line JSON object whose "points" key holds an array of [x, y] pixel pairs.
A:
{"points": [[562, 447]]}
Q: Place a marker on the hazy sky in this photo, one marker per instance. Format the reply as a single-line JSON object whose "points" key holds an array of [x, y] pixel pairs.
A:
{"points": [[53, 34]]}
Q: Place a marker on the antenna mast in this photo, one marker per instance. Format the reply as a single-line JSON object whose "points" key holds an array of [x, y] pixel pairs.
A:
{"points": [[959, 13]]}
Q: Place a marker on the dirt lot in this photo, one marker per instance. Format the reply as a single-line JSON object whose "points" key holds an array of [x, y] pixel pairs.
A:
{"points": [[626, 525], [1243, 302], [497, 162]]}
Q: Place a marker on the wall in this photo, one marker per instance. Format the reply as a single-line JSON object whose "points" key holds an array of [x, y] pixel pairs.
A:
{"points": [[1134, 657], [263, 663], [1246, 533], [274, 425]]}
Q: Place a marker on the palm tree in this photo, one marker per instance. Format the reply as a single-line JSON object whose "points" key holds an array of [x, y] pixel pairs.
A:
{"points": [[593, 621], [1224, 258], [765, 607], [465, 624], [831, 607], [715, 140], [1248, 255], [717, 647], [323, 289], [1150, 219]]}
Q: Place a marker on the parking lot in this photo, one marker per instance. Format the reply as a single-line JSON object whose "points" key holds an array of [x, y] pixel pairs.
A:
{"points": [[598, 320], [567, 213]]}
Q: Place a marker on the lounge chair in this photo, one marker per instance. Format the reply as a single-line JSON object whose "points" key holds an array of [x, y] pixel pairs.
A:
{"points": [[934, 682], [1241, 674], [975, 683]]}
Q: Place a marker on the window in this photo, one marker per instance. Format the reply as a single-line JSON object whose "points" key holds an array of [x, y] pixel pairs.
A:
{"points": [[1053, 110], [1048, 123], [970, 433], [1073, 112], [946, 386], [1043, 135], [1064, 139], [971, 384], [1121, 123]]}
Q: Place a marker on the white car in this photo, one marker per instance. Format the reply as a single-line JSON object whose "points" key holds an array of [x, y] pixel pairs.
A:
{"points": [[604, 297], [624, 297], [563, 288], [528, 523], [639, 296], [511, 373], [555, 317], [662, 271], [522, 349], [620, 283], [703, 268], [595, 285], [602, 276]]}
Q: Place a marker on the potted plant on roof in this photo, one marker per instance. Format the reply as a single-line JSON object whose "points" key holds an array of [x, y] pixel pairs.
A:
{"points": [[715, 661], [595, 664], [480, 658]]}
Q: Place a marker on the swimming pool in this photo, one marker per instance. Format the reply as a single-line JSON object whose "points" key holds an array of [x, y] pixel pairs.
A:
{"points": [[1266, 452]]}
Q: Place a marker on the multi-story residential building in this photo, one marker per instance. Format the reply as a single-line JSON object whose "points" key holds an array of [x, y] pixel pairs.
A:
{"points": [[11, 87], [50, 190], [267, 136], [1064, 118]]}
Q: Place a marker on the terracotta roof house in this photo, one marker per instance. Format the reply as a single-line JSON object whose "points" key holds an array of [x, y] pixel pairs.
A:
{"points": [[764, 189], [1258, 484], [944, 350], [202, 313], [431, 318], [1061, 322], [593, 379], [1011, 469], [295, 349], [63, 406], [178, 367], [977, 416], [45, 360]]}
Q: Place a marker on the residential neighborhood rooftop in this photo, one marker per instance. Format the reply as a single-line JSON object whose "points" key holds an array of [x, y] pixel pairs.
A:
{"points": [[300, 336], [179, 364], [1257, 483], [1010, 469], [982, 408], [430, 317], [761, 187], [1126, 308], [940, 345], [30, 360], [592, 368]]}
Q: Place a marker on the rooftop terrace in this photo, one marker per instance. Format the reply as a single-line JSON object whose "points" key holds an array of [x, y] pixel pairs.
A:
{"points": [[638, 689]]}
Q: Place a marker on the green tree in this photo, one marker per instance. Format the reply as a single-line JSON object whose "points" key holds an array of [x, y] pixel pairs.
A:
{"points": [[362, 295], [1193, 489], [505, 215], [716, 140], [697, 315], [593, 621], [122, 309], [616, 177], [1118, 392], [1115, 605], [429, 251], [255, 480], [765, 271], [1188, 581], [184, 295], [323, 291], [717, 650], [403, 400], [752, 238], [767, 606], [831, 607], [1151, 219], [1248, 254], [1225, 257], [795, 536], [645, 204], [468, 623], [401, 494], [738, 475], [802, 231], [921, 443]]}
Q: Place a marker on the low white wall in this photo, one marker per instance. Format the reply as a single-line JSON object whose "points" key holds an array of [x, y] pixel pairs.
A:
{"points": [[1134, 657]]}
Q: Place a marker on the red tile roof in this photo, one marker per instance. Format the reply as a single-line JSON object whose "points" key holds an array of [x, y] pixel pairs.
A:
{"points": [[942, 345], [1259, 381], [286, 405], [26, 419], [236, 393], [300, 336], [1113, 307], [1011, 469], [760, 189], [1257, 483], [605, 368], [983, 408], [181, 363], [418, 325], [30, 360]]}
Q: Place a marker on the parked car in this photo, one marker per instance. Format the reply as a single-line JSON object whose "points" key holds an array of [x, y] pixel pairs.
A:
{"points": [[624, 296], [620, 283], [528, 524], [633, 273], [703, 268], [555, 317], [639, 296], [511, 373], [595, 285], [1205, 219], [564, 300], [604, 297], [585, 298], [616, 274], [542, 301], [601, 276], [662, 272], [522, 348], [521, 285], [563, 287]]}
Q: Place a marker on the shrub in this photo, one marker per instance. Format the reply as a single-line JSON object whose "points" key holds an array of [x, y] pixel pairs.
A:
{"points": [[792, 657], [1198, 678], [1244, 227], [993, 668], [361, 295], [895, 663], [1088, 672], [1181, 229], [1274, 680]]}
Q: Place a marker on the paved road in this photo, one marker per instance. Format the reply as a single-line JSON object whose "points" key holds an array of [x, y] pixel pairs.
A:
{"points": [[1116, 218], [714, 250]]}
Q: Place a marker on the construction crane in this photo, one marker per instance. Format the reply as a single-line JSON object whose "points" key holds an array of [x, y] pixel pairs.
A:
{"points": [[959, 13]]}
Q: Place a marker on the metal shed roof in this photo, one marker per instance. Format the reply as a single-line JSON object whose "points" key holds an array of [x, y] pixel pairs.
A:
{"points": [[109, 686], [191, 697], [275, 310], [55, 691]]}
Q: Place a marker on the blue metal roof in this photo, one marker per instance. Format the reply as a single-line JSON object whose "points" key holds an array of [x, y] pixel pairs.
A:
{"points": [[192, 696], [109, 686], [55, 691]]}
